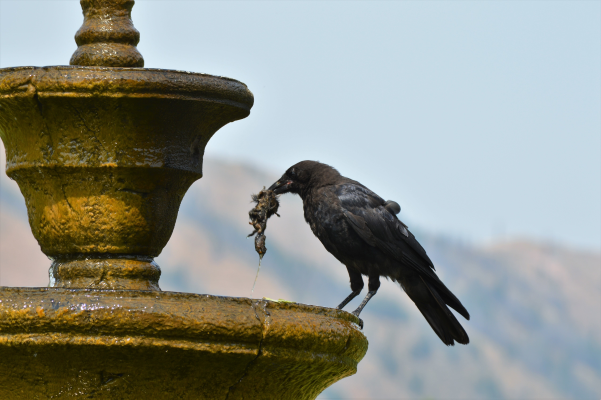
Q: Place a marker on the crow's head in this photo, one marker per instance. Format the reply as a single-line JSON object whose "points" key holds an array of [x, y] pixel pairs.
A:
{"points": [[303, 176]]}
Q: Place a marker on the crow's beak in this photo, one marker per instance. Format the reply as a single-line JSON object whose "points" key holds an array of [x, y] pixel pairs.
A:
{"points": [[281, 186]]}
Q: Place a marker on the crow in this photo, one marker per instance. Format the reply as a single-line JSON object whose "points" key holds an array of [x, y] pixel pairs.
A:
{"points": [[363, 232]]}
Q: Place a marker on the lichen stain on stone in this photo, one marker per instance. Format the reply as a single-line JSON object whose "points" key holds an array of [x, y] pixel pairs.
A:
{"points": [[204, 346], [76, 205]]}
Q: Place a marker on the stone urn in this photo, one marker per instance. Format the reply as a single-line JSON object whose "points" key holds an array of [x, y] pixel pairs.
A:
{"points": [[103, 151]]}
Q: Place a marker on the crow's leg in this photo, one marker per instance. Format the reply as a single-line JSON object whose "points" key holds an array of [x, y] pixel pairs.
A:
{"points": [[372, 286], [350, 297], [356, 286]]}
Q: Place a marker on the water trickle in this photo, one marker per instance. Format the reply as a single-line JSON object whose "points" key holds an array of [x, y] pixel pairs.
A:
{"points": [[51, 280], [256, 276]]}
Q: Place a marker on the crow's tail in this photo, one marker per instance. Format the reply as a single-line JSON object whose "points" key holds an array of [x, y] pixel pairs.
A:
{"points": [[430, 300]]}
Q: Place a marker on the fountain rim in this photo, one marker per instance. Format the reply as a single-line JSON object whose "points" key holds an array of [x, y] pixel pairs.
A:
{"points": [[326, 311], [75, 80], [183, 317], [95, 67]]}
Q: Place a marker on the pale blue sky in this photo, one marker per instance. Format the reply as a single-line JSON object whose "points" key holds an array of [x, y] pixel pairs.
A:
{"points": [[481, 118]]}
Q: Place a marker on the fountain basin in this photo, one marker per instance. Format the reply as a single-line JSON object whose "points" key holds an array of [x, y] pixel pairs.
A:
{"points": [[104, 156], [57, 342]]}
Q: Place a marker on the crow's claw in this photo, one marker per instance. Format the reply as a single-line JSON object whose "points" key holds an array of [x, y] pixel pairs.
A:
{"points": [[356, 314]]}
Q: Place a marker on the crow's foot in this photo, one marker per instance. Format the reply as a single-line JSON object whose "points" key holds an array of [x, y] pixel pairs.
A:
{"points": [[356, 314], [370, 294]]}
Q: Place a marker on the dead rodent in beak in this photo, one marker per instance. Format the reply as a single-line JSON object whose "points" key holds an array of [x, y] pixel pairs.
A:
{"points": [[267, 205]]}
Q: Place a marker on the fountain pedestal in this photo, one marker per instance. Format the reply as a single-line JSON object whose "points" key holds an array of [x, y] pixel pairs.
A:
{"points": [[103, 152]]}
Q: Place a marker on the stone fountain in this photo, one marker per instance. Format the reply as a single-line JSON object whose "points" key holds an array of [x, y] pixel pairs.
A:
{"points": [[103, 151]]}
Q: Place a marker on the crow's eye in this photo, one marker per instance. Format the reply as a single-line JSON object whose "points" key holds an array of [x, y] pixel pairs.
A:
{"points": [[291, 173]]}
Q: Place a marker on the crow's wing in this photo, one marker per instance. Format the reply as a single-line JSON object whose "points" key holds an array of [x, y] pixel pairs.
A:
{"points": [[366, 214]]}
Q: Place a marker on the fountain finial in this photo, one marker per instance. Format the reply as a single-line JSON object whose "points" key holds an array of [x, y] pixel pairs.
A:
{"points": [[107, 37]]}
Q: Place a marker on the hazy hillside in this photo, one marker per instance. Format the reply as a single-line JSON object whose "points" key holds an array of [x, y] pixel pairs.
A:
{"points": [[536, 311]]}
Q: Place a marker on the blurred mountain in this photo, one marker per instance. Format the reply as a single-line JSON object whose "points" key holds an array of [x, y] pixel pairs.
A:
{"points": [[536, 312]]}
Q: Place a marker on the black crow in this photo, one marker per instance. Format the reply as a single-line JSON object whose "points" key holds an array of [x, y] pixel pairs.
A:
{"points": [[363, 232]]}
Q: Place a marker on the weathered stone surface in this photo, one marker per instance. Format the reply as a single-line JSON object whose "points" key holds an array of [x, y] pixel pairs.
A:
{"points": [[63, 343], [104, 156], [107, 37]]}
